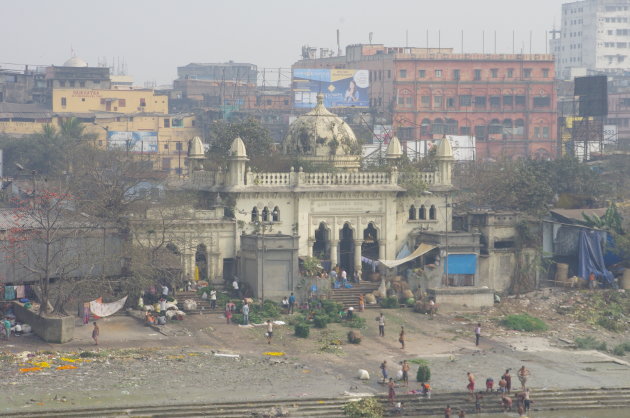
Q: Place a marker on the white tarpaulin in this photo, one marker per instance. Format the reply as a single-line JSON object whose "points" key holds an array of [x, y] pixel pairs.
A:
{"points": [[107, 309], [422, 249]]}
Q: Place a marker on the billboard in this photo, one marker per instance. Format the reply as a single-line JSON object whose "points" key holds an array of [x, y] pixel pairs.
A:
{"points": [[341, 88], [136, 141]]}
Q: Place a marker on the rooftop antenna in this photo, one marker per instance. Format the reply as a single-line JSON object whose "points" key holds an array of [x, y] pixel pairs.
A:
{"points": [[338, 44], [370, 37], [407, 38], [483, 41]]}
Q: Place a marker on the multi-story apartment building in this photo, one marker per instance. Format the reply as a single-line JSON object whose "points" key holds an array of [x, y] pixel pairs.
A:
{"points": [[507, 102], [594, 37]]}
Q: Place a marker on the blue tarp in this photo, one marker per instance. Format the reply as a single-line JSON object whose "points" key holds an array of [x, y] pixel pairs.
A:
{"points": [[590, 256], [461, 264], [610, 258]]}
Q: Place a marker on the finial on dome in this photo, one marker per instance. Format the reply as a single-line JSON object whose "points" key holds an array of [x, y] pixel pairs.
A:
{"points": [[320, 99]]}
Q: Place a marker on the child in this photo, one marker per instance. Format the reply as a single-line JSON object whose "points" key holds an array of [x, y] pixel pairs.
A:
{"points": [[95, 333], [489, 384]]}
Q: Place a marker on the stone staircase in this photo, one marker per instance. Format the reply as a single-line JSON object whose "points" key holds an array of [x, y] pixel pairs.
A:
{"points": [[203, 306], [350, 297]]}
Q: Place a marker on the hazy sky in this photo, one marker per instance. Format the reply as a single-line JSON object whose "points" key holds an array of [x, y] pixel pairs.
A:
{"points": [[156, 36]]}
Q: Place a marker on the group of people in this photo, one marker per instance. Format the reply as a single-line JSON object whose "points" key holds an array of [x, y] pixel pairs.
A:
{"points": [[504, 389]]}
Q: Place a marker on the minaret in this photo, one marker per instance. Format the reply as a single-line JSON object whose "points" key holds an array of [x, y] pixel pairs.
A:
{"points": [[444, 159], [394, 150], [195, 154], [237, 158]]}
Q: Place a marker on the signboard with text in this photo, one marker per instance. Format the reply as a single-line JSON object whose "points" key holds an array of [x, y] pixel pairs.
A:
{"points": [[136, 141], [342, 88]]}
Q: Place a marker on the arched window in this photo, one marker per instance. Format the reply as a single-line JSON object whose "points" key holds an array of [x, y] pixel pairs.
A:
{"points": [[432, 214], [412, 213], [265, 214], [423, 212], [425, 127], [438, 127], [508, 128], [495, 127], [275, 215], [519, 127], [255, 214], [451, 127]]}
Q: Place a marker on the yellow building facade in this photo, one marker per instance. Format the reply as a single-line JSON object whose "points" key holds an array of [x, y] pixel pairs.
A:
{"points": [[117, 101]]}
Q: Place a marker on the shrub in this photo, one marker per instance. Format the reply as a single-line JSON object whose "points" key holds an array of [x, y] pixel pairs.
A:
{"points": [[356, 322], [424, 373], [331, 307], [410, 302], [320, 321], [524, 322], [621, 349], [364, 408], [302, 330], [296, 319], [390, 302], [237, 318], [590, 343]]}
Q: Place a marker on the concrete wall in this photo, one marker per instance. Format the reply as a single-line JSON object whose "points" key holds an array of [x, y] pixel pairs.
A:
{"points": [[462, 298], [52, 330]]}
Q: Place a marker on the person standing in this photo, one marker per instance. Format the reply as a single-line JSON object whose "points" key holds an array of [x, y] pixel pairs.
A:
{"points": [[291, 303], [401, 337], [235, 288], [213, 299], [405, 372], [245, 310], [448, 411], [391, 394], [591, 281], [471, 383], [361, 303], [164, 291], [95, 333], [523, 374], [384, 370], [381, 325], [269, 331], [7, 327], [508, 381], [477, 334], [228, 313]]}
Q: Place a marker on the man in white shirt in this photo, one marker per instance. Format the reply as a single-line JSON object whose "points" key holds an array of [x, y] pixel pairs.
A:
{"points": [[164, 291], [245, 310], [237, 291], [213, 299]]}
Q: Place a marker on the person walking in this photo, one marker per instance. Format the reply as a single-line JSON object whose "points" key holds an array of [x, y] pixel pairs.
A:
{"points": [[228, 313], [269, 333], [384, 370], [381, 325], [523, 374], [245, 310], [405, 372], [477, 334], [95, 333], [6, 324], [213, 299], [291, 303], [401, 337]]}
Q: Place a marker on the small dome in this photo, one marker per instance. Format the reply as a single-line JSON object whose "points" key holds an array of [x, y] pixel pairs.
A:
{"points": [[394, 150], [320, 133], [238, 148], [75, 62], [444, 149], [195, 149]]}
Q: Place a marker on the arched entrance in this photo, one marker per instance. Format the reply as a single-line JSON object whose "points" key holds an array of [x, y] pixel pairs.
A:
{"points": [[346, 249], [201, 263], [321, 246], [369, 248]]}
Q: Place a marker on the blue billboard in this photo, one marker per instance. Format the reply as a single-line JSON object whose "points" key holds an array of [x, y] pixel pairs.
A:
{"points": [[136, 141], [342, 88]]}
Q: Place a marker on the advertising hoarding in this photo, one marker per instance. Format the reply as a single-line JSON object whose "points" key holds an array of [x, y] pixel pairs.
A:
{"points": [[136, 141], [342, 88]]}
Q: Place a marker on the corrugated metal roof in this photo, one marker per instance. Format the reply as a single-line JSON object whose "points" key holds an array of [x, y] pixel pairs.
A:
{"points": [[577, 214]]}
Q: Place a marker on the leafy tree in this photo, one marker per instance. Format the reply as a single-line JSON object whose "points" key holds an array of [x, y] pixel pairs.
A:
{"points": [[257, 140]]}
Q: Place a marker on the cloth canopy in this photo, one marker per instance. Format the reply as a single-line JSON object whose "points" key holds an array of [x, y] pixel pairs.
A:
{"points": [[106, 309], [421, 250]]}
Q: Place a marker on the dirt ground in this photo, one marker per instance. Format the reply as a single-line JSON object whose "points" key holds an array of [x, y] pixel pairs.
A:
{"points": [[135, 364]]}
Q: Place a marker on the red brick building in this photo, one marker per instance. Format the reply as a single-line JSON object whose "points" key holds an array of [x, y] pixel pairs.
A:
{"points": [[508, 102]]}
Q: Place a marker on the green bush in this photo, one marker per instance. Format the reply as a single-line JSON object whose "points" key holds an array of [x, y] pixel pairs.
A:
{"points": [[524, 322], [237, 318], [410, 302], [331, 307], [611, 323], [364, 408], [297, 318], [356, 322], [320, 321], [590, 343], [302, 330], [622, 349], [424, 373], [354, 337], [390, 302]]}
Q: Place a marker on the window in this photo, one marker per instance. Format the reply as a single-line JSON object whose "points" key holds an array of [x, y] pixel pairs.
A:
{"points": [[178, 123], [456, 75], [438, 73], [527, 73], [401, 100], [269, 102], [255, 214], [495, 101], [494, 72], [480, 101], [166, 164], [425, 101], [438, 127], [412, 213], [409, 101], [422, 73], [545, 132], [62, 84], [178, 146], [423, 212], [464, 130], [167, 123], [450, 102], [477, 75], [537, 132], [465, 100], [510, 72], [437, 102], [480, 132], [165, 146], [402, 73], [63, 102], [432, 213], [143, 102], [405, 133], [265, 214], [542, 101], [275, 215], [495, 127], [545, 72], [519, 100], [72, 83], [508, 100]]}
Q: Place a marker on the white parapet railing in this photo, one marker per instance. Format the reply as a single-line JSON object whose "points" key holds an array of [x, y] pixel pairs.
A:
{"points": [[270, 179], [346, 179]]}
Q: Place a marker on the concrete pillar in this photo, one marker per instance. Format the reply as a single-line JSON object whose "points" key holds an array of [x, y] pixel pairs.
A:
{"points": [[310, 243], [357, 254], [381, 250], [334, 260]]}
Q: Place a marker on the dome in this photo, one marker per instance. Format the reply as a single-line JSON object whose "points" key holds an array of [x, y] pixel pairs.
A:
{"points": [[237, 149], [195, 149], [75, 62], [320, 133], [394, 150], [444, 149]]}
